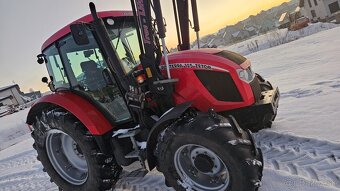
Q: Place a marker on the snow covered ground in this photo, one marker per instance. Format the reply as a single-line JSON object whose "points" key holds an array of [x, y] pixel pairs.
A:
{"points": [[301, 151], [275, 38], [12, 130]]}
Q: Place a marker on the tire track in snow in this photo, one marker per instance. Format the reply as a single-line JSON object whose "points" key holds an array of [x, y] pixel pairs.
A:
{"points": [[153, 181], [149, 182], [20, 159], [309, 158], [26, 180], [23, 171]]}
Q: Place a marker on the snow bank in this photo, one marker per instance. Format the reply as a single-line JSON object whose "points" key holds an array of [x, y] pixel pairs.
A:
{"points": [[276, 37], [307, 74], [13, 129]]}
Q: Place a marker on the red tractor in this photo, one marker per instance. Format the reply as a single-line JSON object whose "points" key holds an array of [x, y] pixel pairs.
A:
{"points": [[120, 97]]}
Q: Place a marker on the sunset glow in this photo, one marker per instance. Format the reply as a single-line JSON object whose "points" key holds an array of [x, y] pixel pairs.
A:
{"points": [[216, 14], [47, 17]]}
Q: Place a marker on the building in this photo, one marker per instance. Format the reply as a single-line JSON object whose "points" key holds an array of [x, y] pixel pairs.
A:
{"points": [[33, 95], [317, 10], [251, 29], [6, 100], [11, 95], [284, 21], [293, 21], [240, 35]]}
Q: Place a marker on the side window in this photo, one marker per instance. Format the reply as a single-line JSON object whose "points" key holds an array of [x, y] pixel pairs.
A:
{"points": [[55, 68], [132, 41], [87, 67], [310, 4], [313, 13]]}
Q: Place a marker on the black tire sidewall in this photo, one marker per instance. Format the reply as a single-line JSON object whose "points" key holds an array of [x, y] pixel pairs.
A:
{"points": [[235, 163], [77, 135]]}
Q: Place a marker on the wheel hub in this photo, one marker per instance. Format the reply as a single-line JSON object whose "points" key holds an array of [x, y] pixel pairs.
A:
{"points": [[77, 149], [204, 163], [200, 168], [66, 157]]}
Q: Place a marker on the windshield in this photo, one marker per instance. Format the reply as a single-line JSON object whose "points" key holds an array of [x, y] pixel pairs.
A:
{"points": [[124, 38]]}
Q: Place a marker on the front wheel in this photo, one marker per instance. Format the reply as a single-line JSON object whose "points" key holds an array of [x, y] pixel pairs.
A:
{"points": [[208, 154]]}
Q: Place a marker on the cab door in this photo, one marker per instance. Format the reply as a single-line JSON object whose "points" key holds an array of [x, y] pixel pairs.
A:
{"points": [[88, 72]]}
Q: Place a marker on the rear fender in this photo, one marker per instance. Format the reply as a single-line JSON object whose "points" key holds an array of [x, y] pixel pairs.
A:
{"points": [[87, 113], [168, 117]]}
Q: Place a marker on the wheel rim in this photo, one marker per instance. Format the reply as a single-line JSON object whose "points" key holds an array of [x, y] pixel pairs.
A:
{"points": [[66, 157], [200, 168]]}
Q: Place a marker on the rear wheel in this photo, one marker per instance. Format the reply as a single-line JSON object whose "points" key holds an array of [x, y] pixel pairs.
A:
{"points": [[66, 157], [70, 154], [204, 153]]}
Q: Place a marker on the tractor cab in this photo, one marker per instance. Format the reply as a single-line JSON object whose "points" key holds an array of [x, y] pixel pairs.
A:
{"points": [[82, 68]]}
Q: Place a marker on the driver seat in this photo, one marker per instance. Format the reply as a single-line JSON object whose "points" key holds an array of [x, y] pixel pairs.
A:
{"points": [[94, 79]]}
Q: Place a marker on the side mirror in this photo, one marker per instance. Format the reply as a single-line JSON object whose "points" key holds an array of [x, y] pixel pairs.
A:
{"points": [[44, 80], [79, 34], [41, 58], [50, 84]]}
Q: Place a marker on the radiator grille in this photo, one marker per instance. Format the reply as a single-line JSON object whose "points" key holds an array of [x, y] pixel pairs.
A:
{"points": [[220, 85]]}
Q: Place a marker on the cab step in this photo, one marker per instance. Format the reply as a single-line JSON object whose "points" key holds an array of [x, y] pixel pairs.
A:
{"points": [[133, 154], [139, 173]]}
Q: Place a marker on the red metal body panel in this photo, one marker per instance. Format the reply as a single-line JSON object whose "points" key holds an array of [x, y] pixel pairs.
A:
{"points": [[95, 121], [88, 18], [189, 88]]}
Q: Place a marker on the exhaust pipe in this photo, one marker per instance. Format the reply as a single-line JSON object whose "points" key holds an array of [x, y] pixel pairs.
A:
{"points": [[196, 23]]}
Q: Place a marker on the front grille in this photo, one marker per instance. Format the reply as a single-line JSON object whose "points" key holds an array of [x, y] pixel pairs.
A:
{"points": [[220, 85], [256, 88]]}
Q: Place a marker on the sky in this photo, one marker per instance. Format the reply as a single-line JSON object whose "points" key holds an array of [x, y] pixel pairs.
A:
{"points": [[25, 25]]}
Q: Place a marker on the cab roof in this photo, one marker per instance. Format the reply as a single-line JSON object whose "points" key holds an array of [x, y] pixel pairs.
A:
{"points": [[88, 18]]}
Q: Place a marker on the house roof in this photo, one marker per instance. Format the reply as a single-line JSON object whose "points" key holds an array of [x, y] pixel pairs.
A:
{"points": [[8, 87], [4, 98], [235, 34], [298, 9], [283, 16], [249, 28]]}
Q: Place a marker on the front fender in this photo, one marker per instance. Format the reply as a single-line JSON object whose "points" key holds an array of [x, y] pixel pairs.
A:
{"points": [[161, 124], [87, 113]]}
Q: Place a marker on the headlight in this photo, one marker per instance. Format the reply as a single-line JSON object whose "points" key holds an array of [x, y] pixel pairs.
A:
{"points": [[246, 75]]}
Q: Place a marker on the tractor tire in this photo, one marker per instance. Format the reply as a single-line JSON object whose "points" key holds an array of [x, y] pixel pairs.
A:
{"points": [[209, 153], [70, 154]]}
